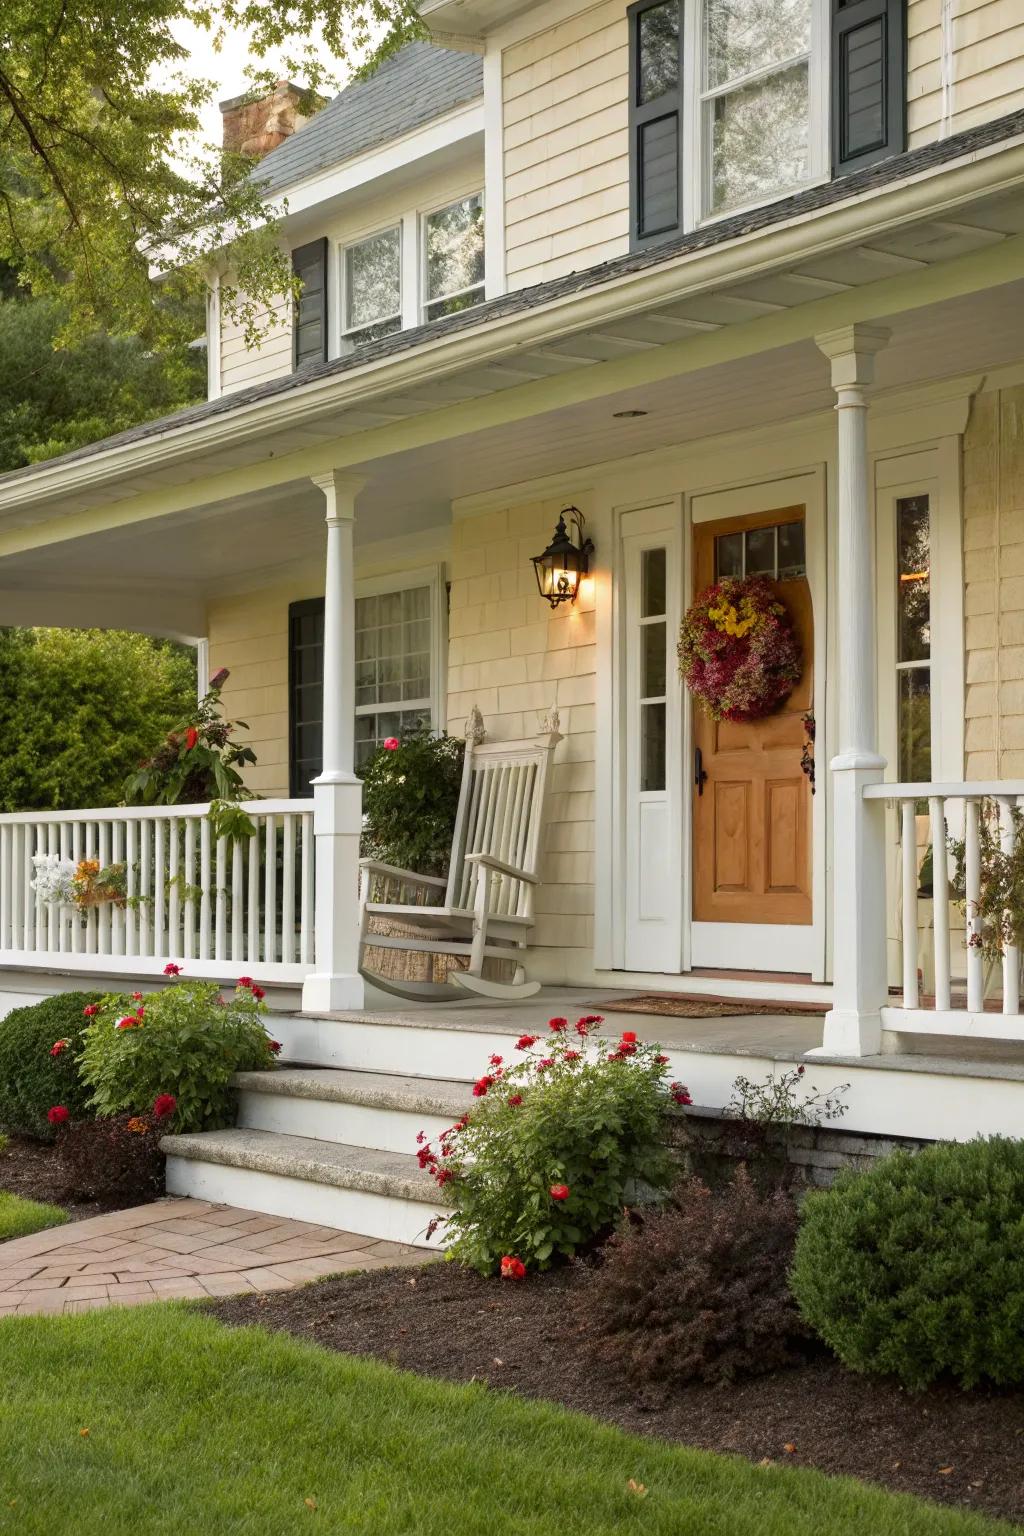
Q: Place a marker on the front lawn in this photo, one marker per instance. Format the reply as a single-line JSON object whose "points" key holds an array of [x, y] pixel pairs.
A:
{"points": [[19, 1217], [161, 1420]]}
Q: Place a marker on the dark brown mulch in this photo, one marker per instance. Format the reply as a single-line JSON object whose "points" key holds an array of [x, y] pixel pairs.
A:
{"points": [[963, 1448], [32, 1169]]}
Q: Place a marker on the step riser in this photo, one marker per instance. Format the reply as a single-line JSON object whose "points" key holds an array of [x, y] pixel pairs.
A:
{"points": [[460, 1055], [357, 1125], [350, 1210]]}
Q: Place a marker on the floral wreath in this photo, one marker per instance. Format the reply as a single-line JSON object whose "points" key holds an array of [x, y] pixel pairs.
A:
{"points": [[738, 652]]}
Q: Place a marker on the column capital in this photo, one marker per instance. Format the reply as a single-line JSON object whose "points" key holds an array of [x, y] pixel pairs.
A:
{"points": [[851, 350], [340, 489]]}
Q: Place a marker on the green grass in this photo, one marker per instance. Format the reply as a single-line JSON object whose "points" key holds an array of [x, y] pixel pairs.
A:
{"points": [[19, 1217], [194, 1427]]}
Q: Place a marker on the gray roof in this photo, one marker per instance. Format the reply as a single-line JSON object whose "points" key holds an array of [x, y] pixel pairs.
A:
{"points": [[414, 86]]}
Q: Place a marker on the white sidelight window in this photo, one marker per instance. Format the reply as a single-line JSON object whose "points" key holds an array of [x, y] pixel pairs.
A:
{"points": [[913, 639], [373, 287], [453, 257]]}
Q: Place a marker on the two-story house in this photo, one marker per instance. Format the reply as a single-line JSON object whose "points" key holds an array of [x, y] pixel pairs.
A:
{"points": [[742, 282]]}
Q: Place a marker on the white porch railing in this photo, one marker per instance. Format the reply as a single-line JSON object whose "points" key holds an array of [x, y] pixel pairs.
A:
{"points": [[962, 981], [219, 907]]}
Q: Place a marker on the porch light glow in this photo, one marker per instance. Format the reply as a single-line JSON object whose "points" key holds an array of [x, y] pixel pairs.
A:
{"points": [[562, 566]]}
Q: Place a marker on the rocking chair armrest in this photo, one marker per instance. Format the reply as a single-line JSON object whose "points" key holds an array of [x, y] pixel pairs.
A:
{"points": [[499, 867], [375, 867]]}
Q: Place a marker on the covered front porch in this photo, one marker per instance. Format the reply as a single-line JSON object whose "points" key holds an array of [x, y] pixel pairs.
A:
{"points": [[448, 484]]}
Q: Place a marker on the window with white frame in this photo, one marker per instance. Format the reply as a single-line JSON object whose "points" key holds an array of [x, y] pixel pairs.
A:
{"points": [[913, 639], [373, 287], [394, 663], [453, 257]]}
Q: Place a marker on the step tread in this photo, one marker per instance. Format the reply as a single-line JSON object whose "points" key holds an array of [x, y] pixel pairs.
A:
{"points": [[319, 1162], [379, 1090]]}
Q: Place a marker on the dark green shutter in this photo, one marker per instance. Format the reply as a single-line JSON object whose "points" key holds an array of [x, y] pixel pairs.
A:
{"points": [[309, 263], [869, 82], [305, 693], [655, 131]]}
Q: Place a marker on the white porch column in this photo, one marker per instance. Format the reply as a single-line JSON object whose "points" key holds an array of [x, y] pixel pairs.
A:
{"points": [[853, 1027], [337, 794]]}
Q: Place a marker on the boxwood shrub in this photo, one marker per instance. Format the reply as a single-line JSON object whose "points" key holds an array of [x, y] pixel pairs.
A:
{"points": [[31, 1079], [916, 1268]]}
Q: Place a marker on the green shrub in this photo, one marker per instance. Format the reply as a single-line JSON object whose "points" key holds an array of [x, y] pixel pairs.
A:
{"points": [[20, 1218], [916, 1268], [184, 1041], [555, 1145], [31, 1078], [410, 797], [697, 1290]]}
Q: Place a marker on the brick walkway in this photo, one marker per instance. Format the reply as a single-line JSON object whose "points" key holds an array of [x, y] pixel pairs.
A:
{"points": [[177, 1248]]}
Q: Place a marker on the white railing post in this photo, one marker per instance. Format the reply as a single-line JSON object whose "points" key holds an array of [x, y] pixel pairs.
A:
{"points": [[911, 991], [940, 902], [1011, 952], [853, 1026], [972, 893], [337, 794]]}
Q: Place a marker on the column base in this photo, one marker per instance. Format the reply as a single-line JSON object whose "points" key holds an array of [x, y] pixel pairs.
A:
{"points": [[849, 1033], [333, 994]]}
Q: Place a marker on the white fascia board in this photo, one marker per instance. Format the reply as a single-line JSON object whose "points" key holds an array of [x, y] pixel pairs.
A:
{"points": [[328, 185], [931, 193]]}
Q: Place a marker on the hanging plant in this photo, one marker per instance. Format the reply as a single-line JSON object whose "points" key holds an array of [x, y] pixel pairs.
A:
{"points": [[738, 652]]}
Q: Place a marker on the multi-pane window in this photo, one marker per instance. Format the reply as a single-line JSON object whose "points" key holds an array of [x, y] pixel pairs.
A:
{"points": [[755, 99], [913, 639], [653, 696], [453, 257], [393, 666], [373, 287], [776, 552]]}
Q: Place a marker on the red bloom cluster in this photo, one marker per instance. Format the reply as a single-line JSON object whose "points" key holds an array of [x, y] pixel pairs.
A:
{"points": [[130, 1021], [171, 969], [92, 1010], [557, 1025], [164, 1104], [512, 1268], [544, 1063], [481, 1085], [274, 1047], [738, 651], [514, 1100], [680, 1093], [191, 738], [525, 1041], [559, 1191], [58, 1046], [583, 1026], [58, 1114]]}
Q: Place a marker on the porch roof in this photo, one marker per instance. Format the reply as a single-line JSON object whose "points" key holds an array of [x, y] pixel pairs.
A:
{"points": [[938, 221]]}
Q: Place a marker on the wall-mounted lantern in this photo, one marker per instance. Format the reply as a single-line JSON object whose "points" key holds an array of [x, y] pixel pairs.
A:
{"points": [[563, 565]]}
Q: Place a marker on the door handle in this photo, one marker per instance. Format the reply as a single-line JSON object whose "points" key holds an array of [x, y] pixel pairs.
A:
{"points": [[699, 774]]}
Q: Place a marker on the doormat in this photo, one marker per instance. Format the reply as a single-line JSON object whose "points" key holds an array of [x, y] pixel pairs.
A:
{"points": [[683, 1005]]}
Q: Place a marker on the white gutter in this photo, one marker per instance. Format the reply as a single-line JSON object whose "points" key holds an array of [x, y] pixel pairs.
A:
{"points": [[933, 193]]}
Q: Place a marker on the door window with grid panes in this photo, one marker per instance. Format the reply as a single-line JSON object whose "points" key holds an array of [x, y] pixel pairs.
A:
{"points": [[393, 666]]}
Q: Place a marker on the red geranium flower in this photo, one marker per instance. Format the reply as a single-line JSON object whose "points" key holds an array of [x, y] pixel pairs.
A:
{"points": [[136, 997], [571, 1056], [629, 1035], [515, 1099], [525, 1041], [512, 1268], [496, 1061], [191, 737], [680, 1093], [128, 1022], [58, 1114], [558, 1025], [481, 1086], [58, 1046], [591, 1018], [245, 981], [626, 1048], [662, 1061], [171, 969], [559, 1191], [391, 744], [548, 1061], [259, 994], [274, 1046], [164, 1104], [92, 1010]]}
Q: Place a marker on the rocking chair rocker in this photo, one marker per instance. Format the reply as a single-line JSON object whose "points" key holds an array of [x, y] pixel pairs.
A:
{"points": [[485, 909]]}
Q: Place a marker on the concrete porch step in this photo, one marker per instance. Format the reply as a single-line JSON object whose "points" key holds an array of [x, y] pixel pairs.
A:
{"points": [[362, 1109], [358, 1189]]}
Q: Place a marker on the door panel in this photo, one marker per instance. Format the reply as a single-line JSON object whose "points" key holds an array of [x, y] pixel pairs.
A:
{"points": [[752, 814]]}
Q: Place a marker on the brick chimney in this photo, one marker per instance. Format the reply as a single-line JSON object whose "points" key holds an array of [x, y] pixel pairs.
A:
{"points": [[255, 126]]}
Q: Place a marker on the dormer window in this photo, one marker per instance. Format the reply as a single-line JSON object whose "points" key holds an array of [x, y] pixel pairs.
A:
{"points": [[453, 239], [373, 287]]}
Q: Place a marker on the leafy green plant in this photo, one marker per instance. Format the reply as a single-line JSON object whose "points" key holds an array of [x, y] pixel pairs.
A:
{"points": [[916, 1267], [555, 1145], [40, 1052], [697, 1289], [185, 1042], [782, 1101], [410, 797], [198, 760], [999, 910]]}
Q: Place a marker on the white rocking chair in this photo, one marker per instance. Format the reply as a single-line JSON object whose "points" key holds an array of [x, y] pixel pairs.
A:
{"points": [[486, 903]]}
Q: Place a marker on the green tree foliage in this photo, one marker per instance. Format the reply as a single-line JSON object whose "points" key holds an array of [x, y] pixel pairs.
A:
{"points": [[98, 189], [53, 399], [80, 708]]}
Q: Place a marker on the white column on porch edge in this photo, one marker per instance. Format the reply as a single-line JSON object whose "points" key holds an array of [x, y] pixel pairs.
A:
{"points": [[853, 1027], [335, 982]]}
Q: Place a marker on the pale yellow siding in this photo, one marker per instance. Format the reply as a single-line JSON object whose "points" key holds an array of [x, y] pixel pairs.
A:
{"points": [[240, 365], [966, 72], [994, 584], [249, 635], [516, 659], [565, 114]]}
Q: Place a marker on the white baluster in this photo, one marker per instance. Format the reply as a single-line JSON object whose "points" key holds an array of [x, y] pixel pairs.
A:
{"points": [[975, 966], [220, 939], [173, 890], [52, 909], [160, 945], [131, 855], [6, 871], [74, 916], [288, 889], [252, 949], [940, 902], [1011, 952], [911, 992], [145, 884], [91, 914], [270, 892], [237, 902], [205, 881], [103, 913], [188, 905], [306, 928]]}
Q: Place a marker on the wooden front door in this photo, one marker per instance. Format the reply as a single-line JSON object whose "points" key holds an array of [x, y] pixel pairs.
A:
{"points": [[752, 813]]}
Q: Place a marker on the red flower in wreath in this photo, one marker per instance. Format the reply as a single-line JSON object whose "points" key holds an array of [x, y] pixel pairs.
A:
{"points": [[739, 654]]}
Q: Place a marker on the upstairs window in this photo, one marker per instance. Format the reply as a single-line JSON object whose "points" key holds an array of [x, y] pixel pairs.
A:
{"points": [[736, 102], [373, 287], [453, 239]]}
